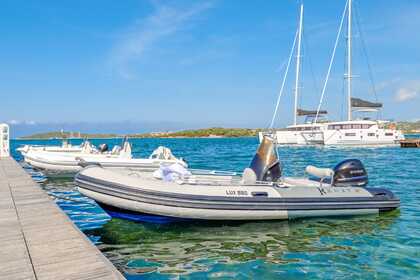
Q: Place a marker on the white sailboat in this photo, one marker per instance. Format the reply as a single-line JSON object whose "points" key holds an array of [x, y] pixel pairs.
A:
{"points": [[317, 130]]}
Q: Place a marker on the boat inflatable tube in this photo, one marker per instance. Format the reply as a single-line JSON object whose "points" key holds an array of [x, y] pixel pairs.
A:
{"points": [[83, 163]]}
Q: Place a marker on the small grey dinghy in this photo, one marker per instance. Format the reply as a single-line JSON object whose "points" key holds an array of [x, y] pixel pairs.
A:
{"points": [[260, 193]]}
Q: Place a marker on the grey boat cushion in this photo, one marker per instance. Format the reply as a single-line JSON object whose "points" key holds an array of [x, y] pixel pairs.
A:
{"points": [[319, 172]]}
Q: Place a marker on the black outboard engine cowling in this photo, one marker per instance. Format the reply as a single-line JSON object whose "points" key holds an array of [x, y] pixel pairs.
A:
{"points": [[350, 172], [265, 163], [103, 148]]}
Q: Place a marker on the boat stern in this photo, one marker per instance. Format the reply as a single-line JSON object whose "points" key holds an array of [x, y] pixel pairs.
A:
{"points": [[389, 200]]}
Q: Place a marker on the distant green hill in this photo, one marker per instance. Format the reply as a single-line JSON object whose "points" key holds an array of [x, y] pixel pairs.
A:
{"points": [[406, 127], [409, 127], [60, 135], [207, 132]]}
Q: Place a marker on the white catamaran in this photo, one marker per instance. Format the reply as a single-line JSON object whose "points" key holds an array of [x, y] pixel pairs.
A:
{"points": [[316, 129]]}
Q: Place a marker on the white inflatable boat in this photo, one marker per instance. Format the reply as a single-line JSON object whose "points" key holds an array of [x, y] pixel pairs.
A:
{"points": [[65, 147], [261, 193], [54, 164]]}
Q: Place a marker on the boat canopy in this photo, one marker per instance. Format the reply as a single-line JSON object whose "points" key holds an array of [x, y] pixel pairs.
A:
{"points": [[302, 112], [363, 104]]}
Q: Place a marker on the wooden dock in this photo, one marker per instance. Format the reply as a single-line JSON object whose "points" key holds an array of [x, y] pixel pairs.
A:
{"points": [[37, 239], [410, 143]]}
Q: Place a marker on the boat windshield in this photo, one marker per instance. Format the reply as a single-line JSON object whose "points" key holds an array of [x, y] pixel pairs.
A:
{"points": [[312, 118], [304, 128], [349, 126]]}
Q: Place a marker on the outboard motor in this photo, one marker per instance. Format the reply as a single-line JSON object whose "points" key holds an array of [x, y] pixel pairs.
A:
{"points": [[265, 163], [103, 148], [350, 172]]}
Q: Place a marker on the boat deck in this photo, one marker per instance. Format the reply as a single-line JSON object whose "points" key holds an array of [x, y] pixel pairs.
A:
{"points": [[410, 143], [37, 239]]}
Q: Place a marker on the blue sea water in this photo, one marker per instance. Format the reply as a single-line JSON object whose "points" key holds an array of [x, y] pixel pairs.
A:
{"points": [[385, 246]]}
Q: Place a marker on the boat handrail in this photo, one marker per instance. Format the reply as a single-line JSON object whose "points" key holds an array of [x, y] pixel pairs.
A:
{"points": [[213, 172], [211, 180]]}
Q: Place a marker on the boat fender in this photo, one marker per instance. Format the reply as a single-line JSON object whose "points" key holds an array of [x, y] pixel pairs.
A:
{"points": [[319, 172]]}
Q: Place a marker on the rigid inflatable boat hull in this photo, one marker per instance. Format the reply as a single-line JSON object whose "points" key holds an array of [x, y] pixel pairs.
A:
{"points": [[56, 166], [121, 206], [139, 217], [280, 206], [135, 216], [184, 212]]}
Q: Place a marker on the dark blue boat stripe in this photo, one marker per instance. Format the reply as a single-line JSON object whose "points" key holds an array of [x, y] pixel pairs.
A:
{"points": [[86, 179]]}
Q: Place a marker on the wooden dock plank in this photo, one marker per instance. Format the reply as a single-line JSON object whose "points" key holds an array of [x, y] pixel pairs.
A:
{"points": [[37, 239], [410, 143]]}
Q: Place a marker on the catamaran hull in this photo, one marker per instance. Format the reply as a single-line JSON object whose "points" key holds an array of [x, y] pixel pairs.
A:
{"points": [[207, 207], [334, 138]]}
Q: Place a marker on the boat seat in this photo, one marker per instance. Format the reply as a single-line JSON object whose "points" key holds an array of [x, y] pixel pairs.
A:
{"points": [[319, 172], [162, 153], [249, 177]]}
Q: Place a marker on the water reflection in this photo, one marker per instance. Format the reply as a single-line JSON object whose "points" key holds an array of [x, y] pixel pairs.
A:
{"points": [[384, 247], [190, 247]]}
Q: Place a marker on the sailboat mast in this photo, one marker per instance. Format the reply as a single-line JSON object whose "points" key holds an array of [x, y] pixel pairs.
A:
{"points": [[349, 62], [298, 64]]}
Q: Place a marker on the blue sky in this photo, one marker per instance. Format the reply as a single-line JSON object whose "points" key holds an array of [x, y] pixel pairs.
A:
{"points": [[195, 63]]}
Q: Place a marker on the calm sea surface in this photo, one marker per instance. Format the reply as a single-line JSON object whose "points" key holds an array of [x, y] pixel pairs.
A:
{"points": [[384, 247]]}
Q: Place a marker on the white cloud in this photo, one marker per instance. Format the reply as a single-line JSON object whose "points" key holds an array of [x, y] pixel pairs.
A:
{"points": [[387, 84], [14, 122], [408, 92], [17, 122], [405, 94], [166, 20]]}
